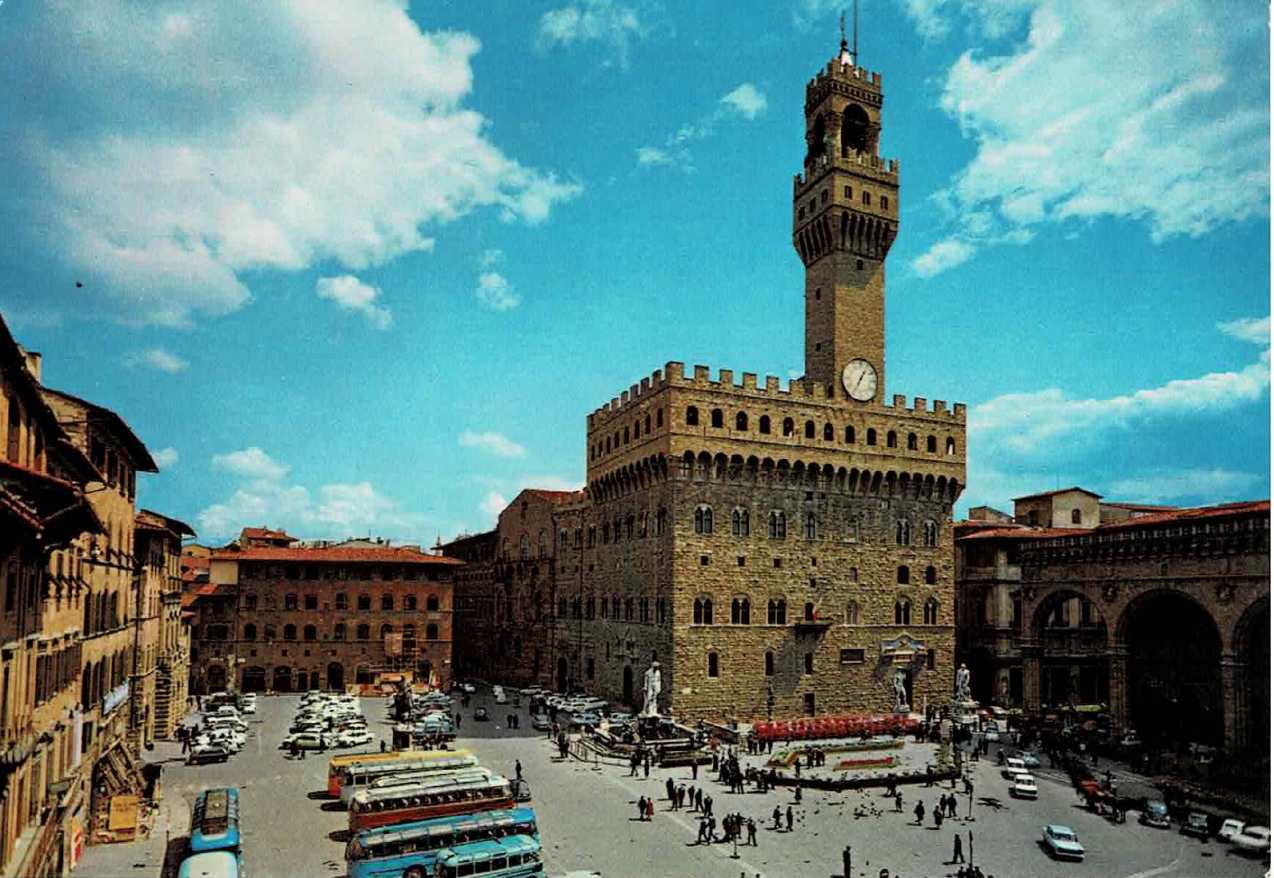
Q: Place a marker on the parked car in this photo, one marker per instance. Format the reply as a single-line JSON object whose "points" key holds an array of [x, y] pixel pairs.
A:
{"points": [[1253, 840], [353, 738], [1023, 787], [586, 719], [1229, 829], [248, 703], [305, 741], [1155, 814], [202, 754], [618, 717], [1062, 842], [540, 722], [1012, 766], [501, 698], [1029, 759], [227, 738], [480, 713], [1196, 824]]}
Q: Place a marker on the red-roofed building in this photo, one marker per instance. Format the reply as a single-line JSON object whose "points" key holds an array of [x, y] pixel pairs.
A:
{"points": [[290, 616], [1158, 615]]}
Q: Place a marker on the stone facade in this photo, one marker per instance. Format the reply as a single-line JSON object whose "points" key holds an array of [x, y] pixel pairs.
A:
{"points": [[778, 549], [164, 664], [299, 616], [1140, 609]]}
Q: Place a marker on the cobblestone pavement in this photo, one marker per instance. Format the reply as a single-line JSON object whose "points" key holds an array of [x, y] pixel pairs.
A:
{"points": [[588, 820]]}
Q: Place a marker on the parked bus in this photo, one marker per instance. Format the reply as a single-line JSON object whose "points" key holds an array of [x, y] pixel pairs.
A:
{"points": [[337, 765], [213, 864], [361, 775], [392, 851], [437, 797], [214, 821], [511, 857]]}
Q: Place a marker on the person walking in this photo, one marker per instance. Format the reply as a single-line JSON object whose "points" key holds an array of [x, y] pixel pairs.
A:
{"points": [[898, 801], [641, 808], [751, 832], [957, 853], [778, 816], [937, 816], [517, 767], [846, 860], [650, 808], [789, 818], [919, 812], [694, 769]]}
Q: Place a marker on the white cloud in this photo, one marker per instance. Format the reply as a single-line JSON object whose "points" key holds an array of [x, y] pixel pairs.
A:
{"points": [[352, 294], [156, 358], [491, 257], [165, 458], [603, 21], [172, 153], [492, 505], [495, 443], [262, 498], [250, 463], [745, 101], [1174, 134], [495, 292], [1253, 329], [1196, 486], [947, 253]]}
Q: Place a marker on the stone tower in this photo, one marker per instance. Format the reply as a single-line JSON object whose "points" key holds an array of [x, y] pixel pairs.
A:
{"points": [[844, 217]]}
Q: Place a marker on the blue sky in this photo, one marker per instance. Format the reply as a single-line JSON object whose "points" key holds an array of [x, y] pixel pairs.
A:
{"points": [[354, 268]]}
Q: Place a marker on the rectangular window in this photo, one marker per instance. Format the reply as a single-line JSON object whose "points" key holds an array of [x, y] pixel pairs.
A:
{"points": [[852, 656]]}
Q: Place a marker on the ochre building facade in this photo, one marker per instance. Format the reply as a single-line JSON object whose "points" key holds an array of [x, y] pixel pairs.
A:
{"points": [[778, 549]]}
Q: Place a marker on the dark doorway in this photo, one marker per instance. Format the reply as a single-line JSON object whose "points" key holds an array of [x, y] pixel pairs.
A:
{"points": [[282, 679], [561, 674], [336, 676], [1174, 670], [254, 679], [810, 706], [628, 684], [216, 678]]}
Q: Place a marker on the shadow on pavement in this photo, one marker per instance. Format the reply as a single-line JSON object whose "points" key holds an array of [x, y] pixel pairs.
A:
{"points": [[173, 855]]}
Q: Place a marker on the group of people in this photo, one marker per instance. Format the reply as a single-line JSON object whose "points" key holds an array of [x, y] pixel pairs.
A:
{"points": [[733, 828], [678, 795], [945, 808]]}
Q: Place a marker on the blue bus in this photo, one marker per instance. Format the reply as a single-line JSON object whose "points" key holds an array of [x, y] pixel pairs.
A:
{"points": [[513, 856], [393, 851], [212, 864], [214, 821]]}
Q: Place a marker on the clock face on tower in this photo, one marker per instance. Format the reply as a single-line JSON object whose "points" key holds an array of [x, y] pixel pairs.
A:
{"points": [[859, 378]]}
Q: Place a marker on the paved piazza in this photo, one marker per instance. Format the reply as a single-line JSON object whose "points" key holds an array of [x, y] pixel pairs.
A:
{"points": [[588, 820]]}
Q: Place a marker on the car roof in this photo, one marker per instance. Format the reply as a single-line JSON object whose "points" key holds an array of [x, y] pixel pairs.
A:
{"points": [[1058, 827]]}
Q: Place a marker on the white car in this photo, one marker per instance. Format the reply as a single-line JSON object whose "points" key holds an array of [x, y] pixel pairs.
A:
{"points": [[354, 738], [1062, 842], [226, 738], [501, 698], [248, 705], [1229, 828], [1013, 766], [306, 741], [227, 722], [1023, 787], [1253, 840]]}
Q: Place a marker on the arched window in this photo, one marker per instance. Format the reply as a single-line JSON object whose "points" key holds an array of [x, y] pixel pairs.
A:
{"points": [[524, 548], [931, 611], [829, 435], [769, 664], [703, 520], [741, 421], [951, 445], [931, 575], [544, 543], [363, 632], [647, 425], [913, 443], [386, 630], [851, 613], [902, 612], [714, 668], [891, 439], [931, 534], [249, 632], [810, 615], [605, 533], [789, 426], [289, 602], [776, 612], [289, 632], [778, 526], [931, 444], [849, 434], [718, 419], [409, 602], [341, 601], [871, 435], [364, 602], [740, 611], [1075, 516], [431, 631], [902, 533], [763, 425], [269, 633], [387, 602], [740, 525], [904, 574], [811, 525], [661, 521], [692, 416], [854, 130], [310, 632], [643, 524], [809, 429], [703, 611], [338, 631]]}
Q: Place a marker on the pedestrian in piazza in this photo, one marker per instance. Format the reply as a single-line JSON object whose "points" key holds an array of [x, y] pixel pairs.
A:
{"points": [[650, 808], [641, 808], [789, 818], [919, 812], [957, 853], [778, 816], [699, 800], [937, 816], [517, 767], [898, 801], [694, 769]]}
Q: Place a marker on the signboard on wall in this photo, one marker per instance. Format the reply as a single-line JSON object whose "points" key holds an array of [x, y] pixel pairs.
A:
{"points": [[394, 643], [123, 814]]}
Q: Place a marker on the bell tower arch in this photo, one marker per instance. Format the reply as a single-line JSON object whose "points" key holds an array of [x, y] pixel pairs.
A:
{"points": [[844, 220]]}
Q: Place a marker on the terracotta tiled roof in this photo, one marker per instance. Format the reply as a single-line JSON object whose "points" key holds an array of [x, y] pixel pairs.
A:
{"points": [[1137, 507], [1174, 515], [264, 533], [1058, 491], [154, 521], [302, 555], [194, 562], [1024, 533], [557, 496]]}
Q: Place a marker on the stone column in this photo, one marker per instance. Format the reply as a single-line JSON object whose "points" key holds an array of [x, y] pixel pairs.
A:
{"points": [[1233, 702], [1031, 652], [1117, 660]]}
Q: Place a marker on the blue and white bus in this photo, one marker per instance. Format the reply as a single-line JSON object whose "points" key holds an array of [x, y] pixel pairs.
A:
{"points": [[393, 851], [214, 821], [513, 856], [212, 864]]}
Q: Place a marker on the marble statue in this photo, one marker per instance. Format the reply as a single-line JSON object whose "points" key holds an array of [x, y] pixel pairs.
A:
{"points": [[900, 691], [652, 685], [962, 690]]}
